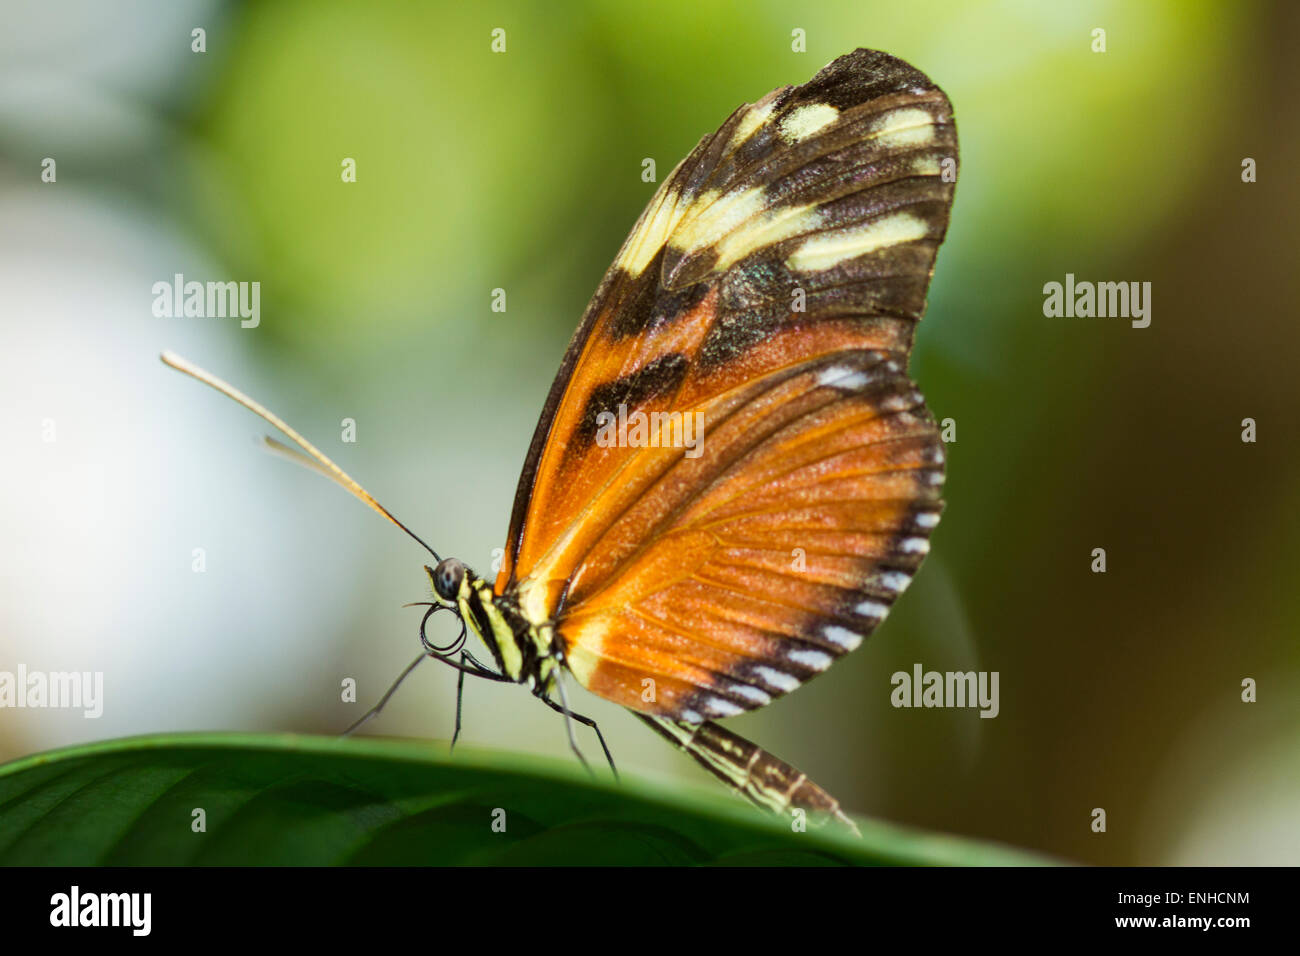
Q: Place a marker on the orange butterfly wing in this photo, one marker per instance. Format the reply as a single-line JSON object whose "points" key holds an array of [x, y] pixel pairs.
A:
{"points": [[759, 316]]}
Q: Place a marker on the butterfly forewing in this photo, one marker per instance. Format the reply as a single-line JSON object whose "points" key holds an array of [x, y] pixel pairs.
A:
{"points": [[768, 295]]}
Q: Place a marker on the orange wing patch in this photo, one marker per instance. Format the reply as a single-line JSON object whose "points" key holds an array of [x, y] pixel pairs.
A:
{"points": [[738, 575]]}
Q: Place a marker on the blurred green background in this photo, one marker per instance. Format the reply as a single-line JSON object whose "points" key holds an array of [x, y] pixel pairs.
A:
{"points": [[521, 171]]}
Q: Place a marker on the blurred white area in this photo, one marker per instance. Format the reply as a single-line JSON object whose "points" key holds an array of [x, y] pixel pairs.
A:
{"points": [[100, 524]]}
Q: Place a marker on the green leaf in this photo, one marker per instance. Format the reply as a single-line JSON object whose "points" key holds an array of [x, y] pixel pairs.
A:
{"points": [[297, 800]]}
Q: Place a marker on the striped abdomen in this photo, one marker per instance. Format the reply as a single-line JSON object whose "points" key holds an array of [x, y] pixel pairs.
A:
{"points": [[748, 769]]}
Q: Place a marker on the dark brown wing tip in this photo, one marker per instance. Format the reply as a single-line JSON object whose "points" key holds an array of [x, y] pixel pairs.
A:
{"points": [[861, 76]]}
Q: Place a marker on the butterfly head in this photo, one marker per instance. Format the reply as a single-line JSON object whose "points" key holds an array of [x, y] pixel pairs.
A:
{"points": [[492, 619], [449, 579]]}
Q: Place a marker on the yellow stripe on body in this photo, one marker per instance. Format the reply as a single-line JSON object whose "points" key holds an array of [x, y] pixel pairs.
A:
{"points": [[501, 635]]}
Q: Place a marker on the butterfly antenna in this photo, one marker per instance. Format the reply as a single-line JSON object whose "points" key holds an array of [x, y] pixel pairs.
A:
{"points": [[313, 458]]}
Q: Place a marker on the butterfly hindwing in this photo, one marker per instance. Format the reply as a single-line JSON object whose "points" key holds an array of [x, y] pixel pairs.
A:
{"points": [[739, 574], [763, 306]]}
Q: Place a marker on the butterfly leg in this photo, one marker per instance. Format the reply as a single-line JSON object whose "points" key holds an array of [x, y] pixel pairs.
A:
{"points": [[586, 722], [563, 708], [469, 664], [460, 699], [373, 711]]}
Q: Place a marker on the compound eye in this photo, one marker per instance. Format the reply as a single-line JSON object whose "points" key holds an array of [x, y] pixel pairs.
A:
{"points": [[447, 577]]}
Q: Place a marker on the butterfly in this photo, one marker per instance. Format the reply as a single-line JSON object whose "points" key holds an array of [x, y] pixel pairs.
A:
{"points": [[733, 477]]}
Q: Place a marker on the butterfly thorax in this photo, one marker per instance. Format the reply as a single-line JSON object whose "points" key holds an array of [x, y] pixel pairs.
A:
{"points": [[524, 651]]}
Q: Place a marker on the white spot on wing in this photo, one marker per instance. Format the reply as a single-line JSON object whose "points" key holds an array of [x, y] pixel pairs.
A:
{"points": [[873, 609], [842, 376], [895, 581], [768, 229], [750, 692], [749, 123], [807, 121], [841, 637], [916, 546], [718, 214], [901, 403], [903, 128], [817, 660], [775, 678], [926, 519], [829, 249], [926, 166], [724, 708], [646, 241]]}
